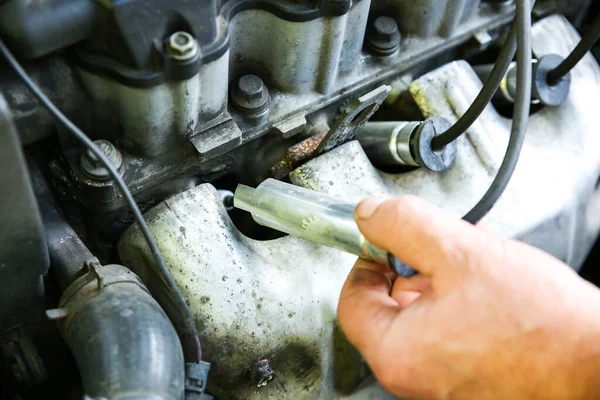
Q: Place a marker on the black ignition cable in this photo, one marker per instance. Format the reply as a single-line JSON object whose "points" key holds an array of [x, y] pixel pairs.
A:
{"points": [[487, 92], [522, 103], [520, 116], [518, 129], [484, 97], [174, 303], [584, 45]]}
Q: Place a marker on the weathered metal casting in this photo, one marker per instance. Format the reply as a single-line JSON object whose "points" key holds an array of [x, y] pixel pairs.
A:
{"points": [[276, 300]]}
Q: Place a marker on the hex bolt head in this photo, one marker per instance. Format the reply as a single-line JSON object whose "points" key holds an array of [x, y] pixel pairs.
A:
{"points": [[250, 95], [93, 167], [383, 36], [181, 46]]}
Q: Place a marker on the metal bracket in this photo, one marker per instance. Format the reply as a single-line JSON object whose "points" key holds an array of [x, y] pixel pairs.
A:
{"points": [[218, 139], [93, 274], [352, 118]]}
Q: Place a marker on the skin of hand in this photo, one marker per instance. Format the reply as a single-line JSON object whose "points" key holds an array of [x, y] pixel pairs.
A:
{"points": [[486, 318]]}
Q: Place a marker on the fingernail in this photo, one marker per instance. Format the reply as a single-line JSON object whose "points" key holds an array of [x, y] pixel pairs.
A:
{"points": [[367, 208]]}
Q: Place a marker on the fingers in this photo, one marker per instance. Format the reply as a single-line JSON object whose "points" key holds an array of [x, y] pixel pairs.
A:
{"points": [[417, 283], [404, 298], [366, 310], [421, 234]]}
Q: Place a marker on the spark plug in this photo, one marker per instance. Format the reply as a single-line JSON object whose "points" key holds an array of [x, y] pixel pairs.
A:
{"points": [[313, 216], [542, 91], [407, 143]]}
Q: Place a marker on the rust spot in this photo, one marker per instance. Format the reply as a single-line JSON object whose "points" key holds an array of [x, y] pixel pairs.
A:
{"points": [[296, 154]]}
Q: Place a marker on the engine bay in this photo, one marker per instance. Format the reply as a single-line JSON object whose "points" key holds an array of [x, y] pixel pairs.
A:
{"points": [[130, 269]]}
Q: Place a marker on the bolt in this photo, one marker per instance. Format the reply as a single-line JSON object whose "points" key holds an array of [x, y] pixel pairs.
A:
{"points": [[261, 373], [182, 46], [383, 37], [250, 95], [93, 167]]}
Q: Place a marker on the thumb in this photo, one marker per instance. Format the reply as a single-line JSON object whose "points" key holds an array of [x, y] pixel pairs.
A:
{"points": [[421, 234]]}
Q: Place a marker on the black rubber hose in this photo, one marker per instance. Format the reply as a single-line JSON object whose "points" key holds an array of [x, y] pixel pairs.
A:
{"points": [[124, 345], [172, 301], [584, 45], [520, 116], [68, 253]]}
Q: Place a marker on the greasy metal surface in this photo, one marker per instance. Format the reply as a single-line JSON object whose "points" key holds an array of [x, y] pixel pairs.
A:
{"points": [[254, 300], [276, 299], [154, 126], [309, 55], [152, 121], [429, 17]]}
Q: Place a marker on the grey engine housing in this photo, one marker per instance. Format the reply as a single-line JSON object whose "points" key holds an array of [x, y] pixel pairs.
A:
{"points": [[195, 96], [276, 300]]}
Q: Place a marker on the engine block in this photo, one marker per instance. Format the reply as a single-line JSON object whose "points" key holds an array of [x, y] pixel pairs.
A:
{"points": [[275, 301]]}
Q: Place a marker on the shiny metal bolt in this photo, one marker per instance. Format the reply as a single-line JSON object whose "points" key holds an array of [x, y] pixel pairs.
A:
{"points": [[182, 46], [383, 36], [93, 167], [250, 95]]}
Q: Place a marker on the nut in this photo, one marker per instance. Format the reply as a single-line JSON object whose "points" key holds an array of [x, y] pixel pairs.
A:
{"points": [[182, 46], [93, 167]]}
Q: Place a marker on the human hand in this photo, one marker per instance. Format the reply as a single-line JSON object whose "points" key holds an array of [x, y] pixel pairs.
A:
{"points": [[487, 318]]}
